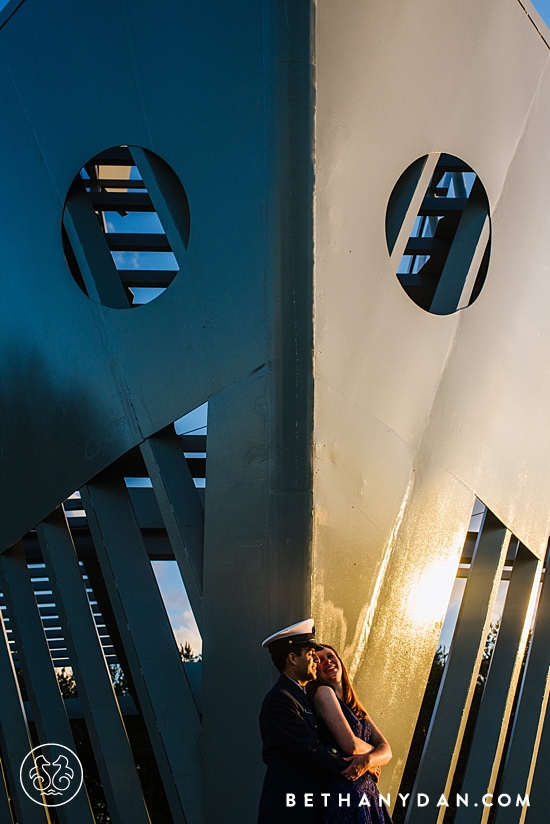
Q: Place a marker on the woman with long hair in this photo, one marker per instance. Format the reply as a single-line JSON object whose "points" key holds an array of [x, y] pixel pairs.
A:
{"points": [[346, 724]]}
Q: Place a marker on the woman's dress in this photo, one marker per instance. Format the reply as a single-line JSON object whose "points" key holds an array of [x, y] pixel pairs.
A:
{"points": [[360, 792]]}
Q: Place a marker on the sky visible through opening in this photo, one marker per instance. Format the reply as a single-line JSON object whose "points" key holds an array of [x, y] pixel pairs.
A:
{"points": [[167, 573], [543, 8]]}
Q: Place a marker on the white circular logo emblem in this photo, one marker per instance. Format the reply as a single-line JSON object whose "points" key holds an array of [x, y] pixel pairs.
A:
{"points": [[51, 775]]}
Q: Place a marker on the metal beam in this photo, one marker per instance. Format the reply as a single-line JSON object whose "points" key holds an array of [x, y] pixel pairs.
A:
{"points": [[436, 206], [180, 507], [539, 799], [15, 738], [115, 183], [110, 743], [91, 250], [149, 644], [136, 242], [465, 248], [5, 811], [408, 200], [529, 720], [500, 687], [450, 714], [121, 201], [46, 702], [153, 278], [169, 199]]}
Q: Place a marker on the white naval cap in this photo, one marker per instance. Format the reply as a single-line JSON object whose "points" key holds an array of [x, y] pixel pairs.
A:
{"points": [[300, 634]]}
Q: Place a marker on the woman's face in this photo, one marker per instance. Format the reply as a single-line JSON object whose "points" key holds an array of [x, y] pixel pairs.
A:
{"points": [[329, 668]]}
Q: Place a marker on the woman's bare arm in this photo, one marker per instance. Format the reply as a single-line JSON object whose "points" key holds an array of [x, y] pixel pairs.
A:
{"points": [[379, 756], [328, 707], [381, 753]]}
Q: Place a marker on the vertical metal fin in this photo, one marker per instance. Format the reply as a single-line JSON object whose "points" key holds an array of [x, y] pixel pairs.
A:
{"points": [[181, 509], [464, 249], [449, 718], [15, 739], [412, 193], [166, 701], [168, 197], [500, 687], [5, 811], [99, 704], [46, 702], [526, 744], [89, 244]]}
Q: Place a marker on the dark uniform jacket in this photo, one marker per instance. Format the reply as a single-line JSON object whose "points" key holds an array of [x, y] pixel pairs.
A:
{"points": [[296, 760]]}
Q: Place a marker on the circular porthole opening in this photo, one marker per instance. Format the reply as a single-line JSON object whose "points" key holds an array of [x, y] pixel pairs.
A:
{"points": [[125, 227], [438, 231]]}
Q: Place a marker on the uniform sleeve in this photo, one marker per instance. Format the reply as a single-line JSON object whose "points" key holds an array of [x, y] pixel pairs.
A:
{"points": [[300, 739]]}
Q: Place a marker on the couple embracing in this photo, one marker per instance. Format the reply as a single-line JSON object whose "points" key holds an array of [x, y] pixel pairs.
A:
{"points": [[322, 750]]}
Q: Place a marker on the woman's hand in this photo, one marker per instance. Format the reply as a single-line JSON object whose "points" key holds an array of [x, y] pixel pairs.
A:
{"points": [[377, 756], [359, 766]]}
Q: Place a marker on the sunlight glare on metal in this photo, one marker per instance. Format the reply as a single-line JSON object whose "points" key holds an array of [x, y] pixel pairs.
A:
{"points": [[429, 594]]}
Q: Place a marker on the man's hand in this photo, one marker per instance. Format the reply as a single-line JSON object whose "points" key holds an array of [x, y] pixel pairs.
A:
{"points": [[359, 766]]}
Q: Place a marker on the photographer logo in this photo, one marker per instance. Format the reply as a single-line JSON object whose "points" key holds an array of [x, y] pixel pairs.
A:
{"points": [[51, 775]]}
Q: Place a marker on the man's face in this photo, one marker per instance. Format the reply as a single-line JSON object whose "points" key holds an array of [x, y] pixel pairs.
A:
{"points": [[306, 665]]}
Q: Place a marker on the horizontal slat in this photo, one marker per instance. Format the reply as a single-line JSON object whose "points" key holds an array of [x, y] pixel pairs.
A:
{"points": [[197, 467], [73, 505], [122, 201], [419, 280], [426, 246], [463, 573], [137, 242], [132, 466], [160, 278], [433, 206], [193, 443], [115, 183]]}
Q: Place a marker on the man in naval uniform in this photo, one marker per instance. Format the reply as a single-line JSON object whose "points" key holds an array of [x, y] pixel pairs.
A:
{"points": [[297, 762]]}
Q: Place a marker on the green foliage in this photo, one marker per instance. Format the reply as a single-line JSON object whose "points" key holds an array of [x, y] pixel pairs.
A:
{"points": [[67, 683], [120, 682], [186, 653], [490, 642], [68, 688]]}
